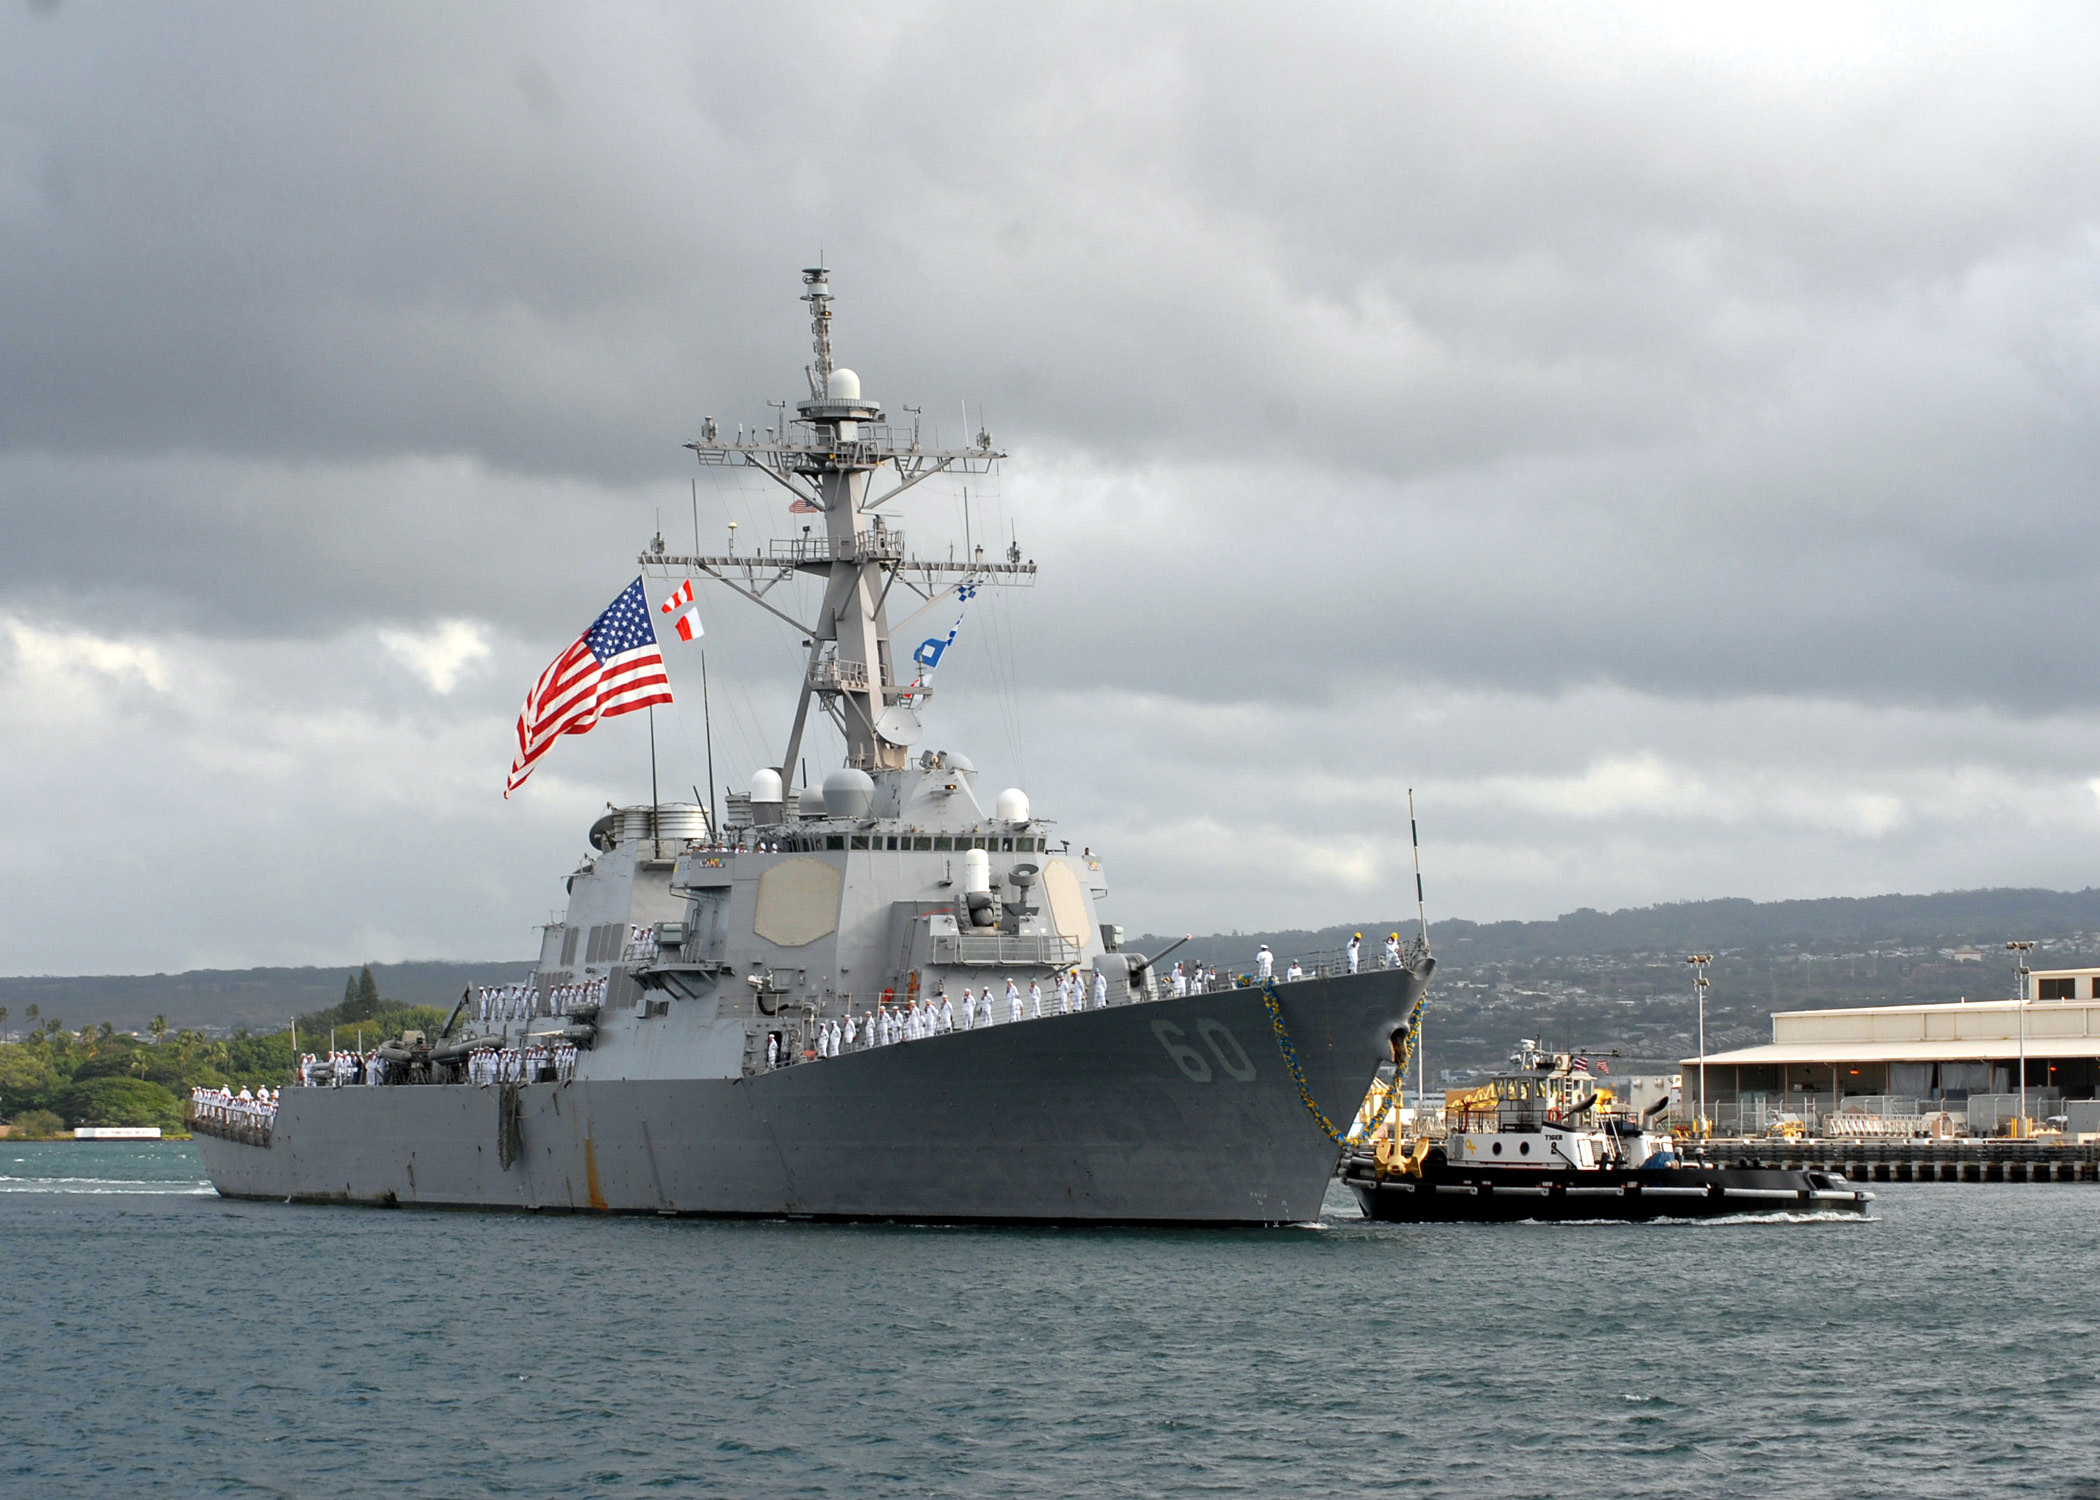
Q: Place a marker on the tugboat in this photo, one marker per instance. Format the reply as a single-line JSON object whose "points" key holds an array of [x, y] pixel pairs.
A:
{"points": [[1547, 1141]]}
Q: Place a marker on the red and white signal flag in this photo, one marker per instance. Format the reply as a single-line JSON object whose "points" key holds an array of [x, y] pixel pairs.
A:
{"points": [[688, 623]]}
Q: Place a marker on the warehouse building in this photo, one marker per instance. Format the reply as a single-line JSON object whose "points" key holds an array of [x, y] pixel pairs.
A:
{"points": [[1909, 1061]]}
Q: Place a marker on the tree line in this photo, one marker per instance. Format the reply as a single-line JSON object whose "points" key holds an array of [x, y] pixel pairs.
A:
{"points": [[53, 1078]]}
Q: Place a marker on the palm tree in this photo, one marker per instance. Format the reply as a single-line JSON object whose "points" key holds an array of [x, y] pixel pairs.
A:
{"points": [[3, 1023], [158, 1026]]}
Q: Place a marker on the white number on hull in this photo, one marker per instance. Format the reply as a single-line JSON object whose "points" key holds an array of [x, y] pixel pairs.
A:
{"points": [[1224, 1046], [1214, 1032], [1187, 1058]]}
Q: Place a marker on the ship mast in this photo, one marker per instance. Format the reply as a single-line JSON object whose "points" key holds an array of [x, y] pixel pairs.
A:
{"points": [[828, 458]]}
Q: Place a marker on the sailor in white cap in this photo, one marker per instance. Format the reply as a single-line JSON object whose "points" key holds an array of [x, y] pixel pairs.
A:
{"points": [[1264, 963], [1013, 1001]]}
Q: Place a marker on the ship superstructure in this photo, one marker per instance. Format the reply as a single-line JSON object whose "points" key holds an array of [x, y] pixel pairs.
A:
{"points": [[891, 994]]}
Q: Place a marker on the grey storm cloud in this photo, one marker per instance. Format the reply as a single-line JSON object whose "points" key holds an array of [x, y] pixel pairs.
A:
{"points": [[1350, 356]]}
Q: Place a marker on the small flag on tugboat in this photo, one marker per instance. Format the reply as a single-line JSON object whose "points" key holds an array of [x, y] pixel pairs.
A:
{"points": [[612, 668], [688, 623]]}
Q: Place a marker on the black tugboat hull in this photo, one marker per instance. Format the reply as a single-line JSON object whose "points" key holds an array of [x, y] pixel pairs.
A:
{"points": [[1606, 1194]]}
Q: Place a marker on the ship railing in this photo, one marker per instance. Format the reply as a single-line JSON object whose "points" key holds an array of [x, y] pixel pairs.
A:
{"points": [[833, 674], [1309, 968], [885, 544], [1034, 949]]}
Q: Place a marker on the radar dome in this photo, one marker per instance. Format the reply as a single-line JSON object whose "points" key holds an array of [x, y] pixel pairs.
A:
{"points": [[809, 802], [765, 785], [842, 385], [1012, 806], [848, 793]]}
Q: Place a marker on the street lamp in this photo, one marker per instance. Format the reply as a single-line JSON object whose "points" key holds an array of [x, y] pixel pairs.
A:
{"points": [[1699, 961], [2020, 949]]}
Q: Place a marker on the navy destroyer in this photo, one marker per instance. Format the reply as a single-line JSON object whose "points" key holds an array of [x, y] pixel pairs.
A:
{"points": [[889, 995]]}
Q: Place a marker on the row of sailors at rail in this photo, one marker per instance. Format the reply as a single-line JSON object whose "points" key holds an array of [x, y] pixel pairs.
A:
{"points": [[1194, 979], [1354, 952], [341, 1068], [228, 1108], [522, 1002], [528, 1064], [936, 1014]]}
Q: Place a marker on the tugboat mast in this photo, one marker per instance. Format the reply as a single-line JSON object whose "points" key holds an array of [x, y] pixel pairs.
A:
{"points": [[827, 458]]}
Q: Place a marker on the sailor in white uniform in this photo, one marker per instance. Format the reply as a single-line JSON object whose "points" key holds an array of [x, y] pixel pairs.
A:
{"points": [[1013, 1001], [1392, 951], [1356, 948], [1264, 963], [1181, 981], [947, 1014], [1100, 990], [1035, 997]]}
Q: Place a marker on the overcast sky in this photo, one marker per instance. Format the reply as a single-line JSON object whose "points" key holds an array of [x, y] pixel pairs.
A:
{"points": [[1663, 438]]}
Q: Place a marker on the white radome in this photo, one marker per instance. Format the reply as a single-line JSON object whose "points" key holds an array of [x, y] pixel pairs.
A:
{"points": [[1012, 806]]}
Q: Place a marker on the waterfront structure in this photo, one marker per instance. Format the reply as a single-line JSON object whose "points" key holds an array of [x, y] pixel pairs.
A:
{"points": [[1971, 1058]]}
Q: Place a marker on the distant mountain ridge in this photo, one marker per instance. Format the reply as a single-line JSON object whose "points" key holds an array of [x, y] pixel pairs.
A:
{"points": [[215, 999], [1981, 918], [265, 998]]}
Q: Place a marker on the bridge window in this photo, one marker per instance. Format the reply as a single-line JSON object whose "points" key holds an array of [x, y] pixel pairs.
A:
{"points": [[834, 841], [860, 841], [922, 842], [944, 842]]}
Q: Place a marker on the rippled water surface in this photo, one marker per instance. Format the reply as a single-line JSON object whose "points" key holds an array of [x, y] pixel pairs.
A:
{"points": [[161, 1341]]}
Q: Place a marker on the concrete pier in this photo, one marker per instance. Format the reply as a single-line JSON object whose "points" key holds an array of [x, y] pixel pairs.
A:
{"points": [[1918, 1161]]}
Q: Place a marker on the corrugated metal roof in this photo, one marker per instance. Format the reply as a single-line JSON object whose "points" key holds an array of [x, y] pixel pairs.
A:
{"points": [[1993, 1050]]}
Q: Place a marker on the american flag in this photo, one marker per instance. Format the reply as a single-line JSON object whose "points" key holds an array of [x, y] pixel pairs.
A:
{"points": [[612, 668]]}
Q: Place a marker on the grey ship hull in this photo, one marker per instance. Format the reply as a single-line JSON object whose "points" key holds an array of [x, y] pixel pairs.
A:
{"points": [[1176, 1111]]}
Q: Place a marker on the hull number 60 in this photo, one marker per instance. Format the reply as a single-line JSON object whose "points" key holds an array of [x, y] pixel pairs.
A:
{"points": [[1231, 1057]]}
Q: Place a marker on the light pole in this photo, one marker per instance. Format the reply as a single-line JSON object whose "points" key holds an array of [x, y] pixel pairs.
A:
{"points": [[1699, 961], [2020, 948]]}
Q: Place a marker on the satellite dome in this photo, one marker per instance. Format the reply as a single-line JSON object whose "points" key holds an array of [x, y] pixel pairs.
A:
{"points": [[842, 385], [809, 802], [1012, 806], [765, 785], [848, 793]]}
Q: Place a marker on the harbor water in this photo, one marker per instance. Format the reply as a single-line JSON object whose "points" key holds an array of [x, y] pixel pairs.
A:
{"points": [[162, 1341]]}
